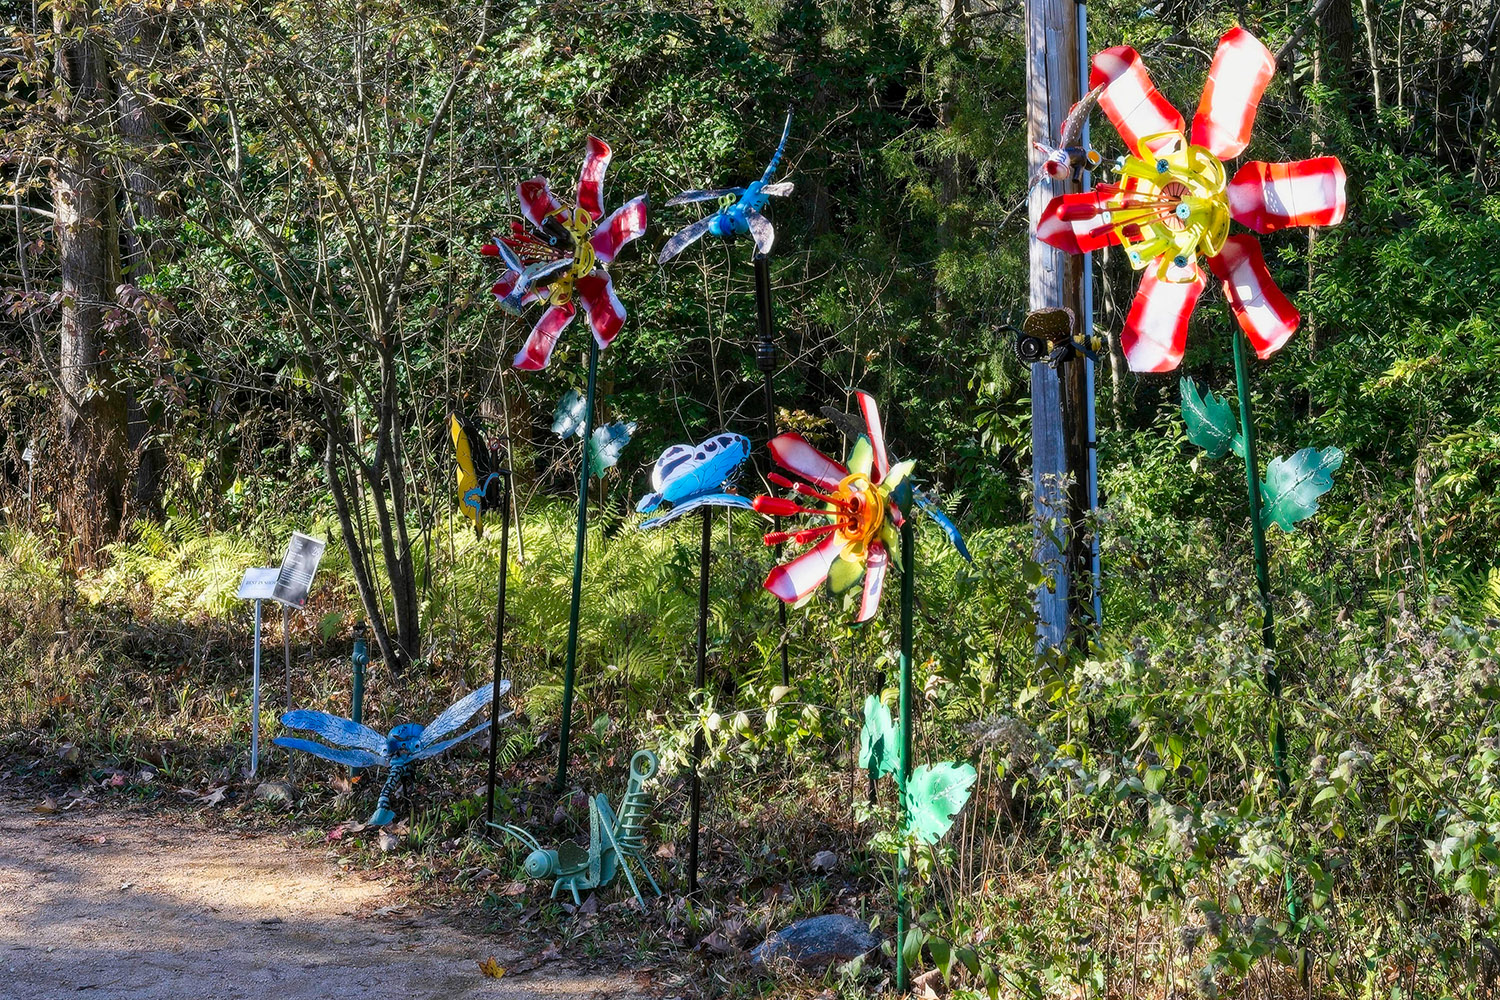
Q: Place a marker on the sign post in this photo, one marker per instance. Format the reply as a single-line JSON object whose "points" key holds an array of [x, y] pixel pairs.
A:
{"points": [[29, 457], [288, 585]]}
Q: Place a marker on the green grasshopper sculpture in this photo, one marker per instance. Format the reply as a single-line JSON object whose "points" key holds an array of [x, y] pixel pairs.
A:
{"points": [[615, 840]]}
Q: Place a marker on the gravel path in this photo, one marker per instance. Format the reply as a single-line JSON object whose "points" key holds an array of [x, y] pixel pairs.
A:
{"points": [[100, 904]]}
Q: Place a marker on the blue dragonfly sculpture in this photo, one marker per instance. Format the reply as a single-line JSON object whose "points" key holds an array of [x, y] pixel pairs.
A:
{"points": [[692, 476], [739, 209], [358, 745]]}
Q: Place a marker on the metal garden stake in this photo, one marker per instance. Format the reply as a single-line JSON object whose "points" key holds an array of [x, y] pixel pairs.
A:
{"points": [[580, 541], [504, 574]]}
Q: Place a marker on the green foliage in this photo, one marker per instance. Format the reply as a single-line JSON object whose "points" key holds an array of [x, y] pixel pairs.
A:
{"points": [[1293, 485]]}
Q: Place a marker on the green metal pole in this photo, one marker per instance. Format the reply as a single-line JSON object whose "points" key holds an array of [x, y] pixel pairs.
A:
{"points": [[358, 660], [1262, 565], [908, 597], [580, 539], [1263, 584], [504, 575]]}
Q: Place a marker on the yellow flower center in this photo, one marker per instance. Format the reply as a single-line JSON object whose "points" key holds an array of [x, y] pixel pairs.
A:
{"points": [[860, 515], [1170, 206]]}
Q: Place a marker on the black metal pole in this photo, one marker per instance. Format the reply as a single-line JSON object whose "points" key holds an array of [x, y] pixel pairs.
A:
{"points": [[489, 798], [580, 538], [696, 793], [765, 360]]}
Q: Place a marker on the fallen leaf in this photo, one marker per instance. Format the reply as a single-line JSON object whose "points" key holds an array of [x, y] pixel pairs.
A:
{"points": [[68, 752], [388, 841], [824, 861], [386, 911], [213, 796], [342, 785], [716, 944], [590, 905], [47, 806], [491, 968], [271, 920], [513, 889], [116, 780], [124, 886]]}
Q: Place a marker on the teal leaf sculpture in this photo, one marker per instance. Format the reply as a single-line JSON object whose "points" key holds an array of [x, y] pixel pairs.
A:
{"points": [[1293, 485], [934, 795], [1211, 424], [934, 792], [567, 419], [877, 739], [606, 444]]}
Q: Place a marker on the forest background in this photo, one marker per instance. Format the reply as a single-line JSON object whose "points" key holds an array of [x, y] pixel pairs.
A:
{"points": [[243, 291]]}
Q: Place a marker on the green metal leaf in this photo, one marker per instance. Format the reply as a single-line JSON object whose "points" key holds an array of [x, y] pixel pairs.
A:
{"points": [[1211, 424], [606, 444], [567, 419], [1293, 486], [934, 795], [877, 739]]}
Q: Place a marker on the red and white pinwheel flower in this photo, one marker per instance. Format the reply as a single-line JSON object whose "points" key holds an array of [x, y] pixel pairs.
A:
{"points": [[860, 540], [566, 256], [1173, 202]]}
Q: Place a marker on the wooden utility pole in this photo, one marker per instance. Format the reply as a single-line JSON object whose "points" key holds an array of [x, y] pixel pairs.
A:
{"points": [[1059, 396]]}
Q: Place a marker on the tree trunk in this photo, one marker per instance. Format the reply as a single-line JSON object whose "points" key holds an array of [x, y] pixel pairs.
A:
{"points": [[92, 503], [140, 34]]}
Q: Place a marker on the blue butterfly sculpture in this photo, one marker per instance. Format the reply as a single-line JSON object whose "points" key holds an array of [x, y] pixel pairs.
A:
{"points": [[739, 210], [361, 746], [689, 477]]}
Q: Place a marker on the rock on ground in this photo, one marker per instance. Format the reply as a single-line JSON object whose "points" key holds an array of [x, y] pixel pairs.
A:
{"points": [[817, 942]]}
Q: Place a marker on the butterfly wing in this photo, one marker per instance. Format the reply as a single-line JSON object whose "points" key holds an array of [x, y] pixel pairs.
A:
{"points": [[334, 729], [468, 475], [349, 758], [693, 503]]}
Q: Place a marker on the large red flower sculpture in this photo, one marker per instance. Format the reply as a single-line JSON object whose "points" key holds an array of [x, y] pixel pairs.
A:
{"points": [[1173, 203], [859, 542], [566, 257]]}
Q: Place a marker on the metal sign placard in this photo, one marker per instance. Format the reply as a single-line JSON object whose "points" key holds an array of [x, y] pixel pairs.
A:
{"points": [[295, 577], [257, 584]]}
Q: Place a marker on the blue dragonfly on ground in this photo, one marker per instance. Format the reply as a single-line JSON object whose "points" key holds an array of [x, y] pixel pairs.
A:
{"points": [[358, 745], [739, 210]]}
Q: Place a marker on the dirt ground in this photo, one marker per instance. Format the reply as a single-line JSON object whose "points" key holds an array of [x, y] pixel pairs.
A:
{"points": [[94, 906]]}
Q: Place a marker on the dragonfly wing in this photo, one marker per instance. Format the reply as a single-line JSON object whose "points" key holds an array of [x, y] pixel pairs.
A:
{"points": [[459, 712], [693, 503], [684, 238], [688, 197], [437, 748], [760, 231], [349, 758], [778, 190], [335, 729]]}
